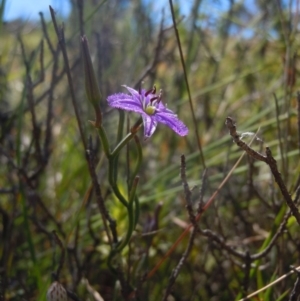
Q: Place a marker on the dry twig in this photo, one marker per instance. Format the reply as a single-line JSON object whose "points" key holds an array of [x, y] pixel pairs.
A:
{"points": [[268, 159]]}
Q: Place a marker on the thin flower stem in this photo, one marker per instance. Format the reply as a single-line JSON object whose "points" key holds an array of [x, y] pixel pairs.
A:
{"points": [[121, 125], [127, 138], [112, 182], [137, 210], [133, 200], [109, 262], [112, 177], [115, 168], [104, 141], [119, 138], [138, 161], [133, 190], [131, 216], [112, 160]]}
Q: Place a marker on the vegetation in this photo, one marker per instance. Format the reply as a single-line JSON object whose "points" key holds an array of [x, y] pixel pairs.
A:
{"points": [[91, 206]]}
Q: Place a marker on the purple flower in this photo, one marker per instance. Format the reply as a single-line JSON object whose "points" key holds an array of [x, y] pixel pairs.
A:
{"points": [[150, 106]]}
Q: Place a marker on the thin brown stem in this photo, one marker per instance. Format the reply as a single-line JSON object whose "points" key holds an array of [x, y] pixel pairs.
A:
{"points": [[61, 40], [268, 159]]}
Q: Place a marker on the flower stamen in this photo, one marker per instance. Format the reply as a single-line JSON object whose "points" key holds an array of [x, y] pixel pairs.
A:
{"points": [[151, 91], [152, 100]]}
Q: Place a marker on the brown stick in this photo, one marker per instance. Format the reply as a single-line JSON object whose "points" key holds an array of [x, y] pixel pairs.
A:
{"points": [[268, 159]]}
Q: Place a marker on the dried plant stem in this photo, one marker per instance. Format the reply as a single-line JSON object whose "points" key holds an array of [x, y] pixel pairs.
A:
{"points": [[296, 290], [197, 218], [283, 165], [61, 40], [270, 284], [92, 291], [62, 258], [188, 195], [268, 159], [244, 255], [46, 35], [298, 116], [176, 271], [156, 58]]}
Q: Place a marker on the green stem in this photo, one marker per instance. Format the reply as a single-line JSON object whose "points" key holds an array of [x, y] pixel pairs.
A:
{"points": [[137, 210], [113, 158], [138, 161], [112, 162], [134, 174], [131, 216], [127, 138], [104, 140], [121, 125], [119, 138], [112, 177], [133, 190], [112, 182], [109, 262]]}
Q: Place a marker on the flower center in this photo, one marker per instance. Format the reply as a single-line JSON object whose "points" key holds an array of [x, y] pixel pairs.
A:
{"points": [[150, 110], [151, 107]]}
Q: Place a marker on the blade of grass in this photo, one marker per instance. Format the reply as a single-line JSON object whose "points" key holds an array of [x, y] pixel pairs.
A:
{"points": [[187, 86]]}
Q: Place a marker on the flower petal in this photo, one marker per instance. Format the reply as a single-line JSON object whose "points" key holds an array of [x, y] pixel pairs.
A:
{"points": [[133, 92], [125, 102], [171, 120], [150, 125]]}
